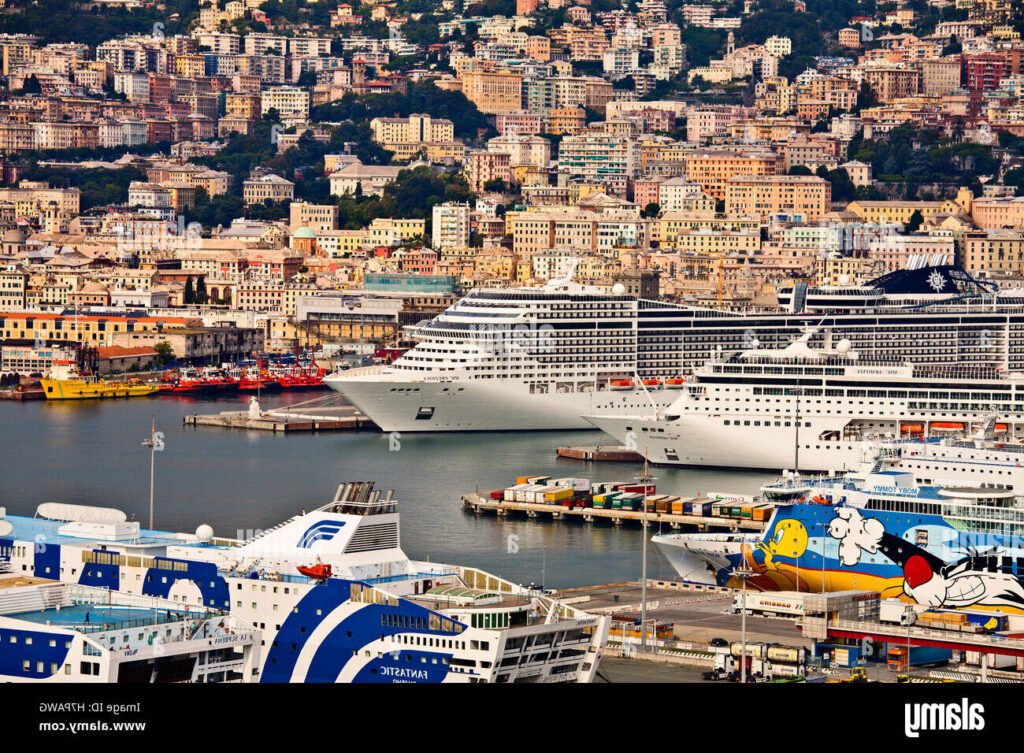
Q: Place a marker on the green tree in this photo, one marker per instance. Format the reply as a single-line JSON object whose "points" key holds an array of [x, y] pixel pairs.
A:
{"points": [[164, 352], [202, 296], [915, 221], [32, 86], [189, 296], [653, 209]]}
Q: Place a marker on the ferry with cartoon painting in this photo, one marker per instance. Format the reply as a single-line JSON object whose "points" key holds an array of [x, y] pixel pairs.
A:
{"points": [[875, 530]]}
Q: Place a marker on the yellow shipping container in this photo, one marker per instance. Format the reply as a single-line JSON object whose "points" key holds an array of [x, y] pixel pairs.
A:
{"points": [[558, 495]]}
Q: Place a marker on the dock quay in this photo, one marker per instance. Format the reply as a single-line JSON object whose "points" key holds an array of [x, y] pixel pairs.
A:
{"points": [[329, 413], [480, 504], [609, 453], [22, 393], [341, 418]]}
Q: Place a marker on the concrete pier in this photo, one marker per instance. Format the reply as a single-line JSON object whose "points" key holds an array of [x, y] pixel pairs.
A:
{"points": [[480, 504], [337, 418]]}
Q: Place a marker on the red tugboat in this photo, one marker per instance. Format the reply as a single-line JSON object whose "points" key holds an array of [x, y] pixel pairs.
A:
{"points": [[187, 382], [319, 571], [256, 379], [300, 377], [218, 381]]}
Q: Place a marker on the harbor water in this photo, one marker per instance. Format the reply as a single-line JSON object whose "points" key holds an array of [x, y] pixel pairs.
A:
{"points": [[91, 452]]}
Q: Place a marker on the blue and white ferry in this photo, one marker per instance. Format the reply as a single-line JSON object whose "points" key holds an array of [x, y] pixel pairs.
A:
{"points": [[331, 592]]}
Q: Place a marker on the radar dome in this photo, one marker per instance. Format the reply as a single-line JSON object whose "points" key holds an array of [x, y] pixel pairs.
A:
{"points": [[618, 289], [844, 345], [204, 532]]}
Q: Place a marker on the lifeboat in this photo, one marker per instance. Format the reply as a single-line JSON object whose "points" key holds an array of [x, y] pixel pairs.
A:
{"points": [[319, 571], [947, 426], [652, 382], [1001, 427], [622, 384], [675, 383], [819, 500], [912, 428]]}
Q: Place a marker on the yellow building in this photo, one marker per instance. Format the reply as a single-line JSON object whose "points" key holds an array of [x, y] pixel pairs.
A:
{"points": [[272, 187], [899, 211], [190, 66], [996, 213], [493, 92], [672, 224], [340, 244], [717, 242], [803, 198], [711, 169], [416, 129], [393, 231], [90, 330], [997, 252]]}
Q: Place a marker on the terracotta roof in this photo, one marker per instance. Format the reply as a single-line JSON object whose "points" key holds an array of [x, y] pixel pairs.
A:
{"points": [[119, 351]]}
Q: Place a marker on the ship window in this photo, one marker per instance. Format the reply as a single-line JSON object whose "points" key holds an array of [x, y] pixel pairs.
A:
{"points": [[425, 414]]}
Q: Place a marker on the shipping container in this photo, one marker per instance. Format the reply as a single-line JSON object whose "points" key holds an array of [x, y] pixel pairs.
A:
{"points": [[512, 493], [787, 654], [637, 488], [993, 661], [703, 509], [896, 612], [920, 656], [558, 494], [989, 622], [677, 507], [774, 603], [497, 495]]}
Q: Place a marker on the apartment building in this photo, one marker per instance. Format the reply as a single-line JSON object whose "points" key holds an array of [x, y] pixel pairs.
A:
{"points": [[272, 187], [450, 225], [792, 198], [712, 168], [493, 92]]}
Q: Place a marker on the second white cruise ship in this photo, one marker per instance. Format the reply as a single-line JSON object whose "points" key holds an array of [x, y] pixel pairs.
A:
{"points": [[818, 409]]}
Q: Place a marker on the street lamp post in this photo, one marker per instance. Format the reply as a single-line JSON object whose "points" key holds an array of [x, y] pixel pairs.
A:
{"points": [[743, 573], [152, 443], [644, 478]]}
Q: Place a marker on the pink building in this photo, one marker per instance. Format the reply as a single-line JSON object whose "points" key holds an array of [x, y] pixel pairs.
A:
{"points": [[519, 124], [647, 191]]}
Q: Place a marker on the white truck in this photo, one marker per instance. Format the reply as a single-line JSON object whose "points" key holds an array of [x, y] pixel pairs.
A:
{"points": [[896, 612], [771, 603]]}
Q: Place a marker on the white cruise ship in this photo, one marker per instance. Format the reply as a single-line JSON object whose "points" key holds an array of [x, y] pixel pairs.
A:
{"points": [[537, 358], [540, 358], [823, 409]]}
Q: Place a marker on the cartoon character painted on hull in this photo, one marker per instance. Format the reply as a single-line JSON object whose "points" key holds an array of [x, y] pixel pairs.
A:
{"points": [[975, 580]]}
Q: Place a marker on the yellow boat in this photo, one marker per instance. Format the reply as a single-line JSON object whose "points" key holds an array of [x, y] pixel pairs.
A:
{"points": [[64, 383]]}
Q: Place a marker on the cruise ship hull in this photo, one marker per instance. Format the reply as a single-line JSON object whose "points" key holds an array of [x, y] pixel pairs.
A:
{"points": [[695, 440], [403, 405]]}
